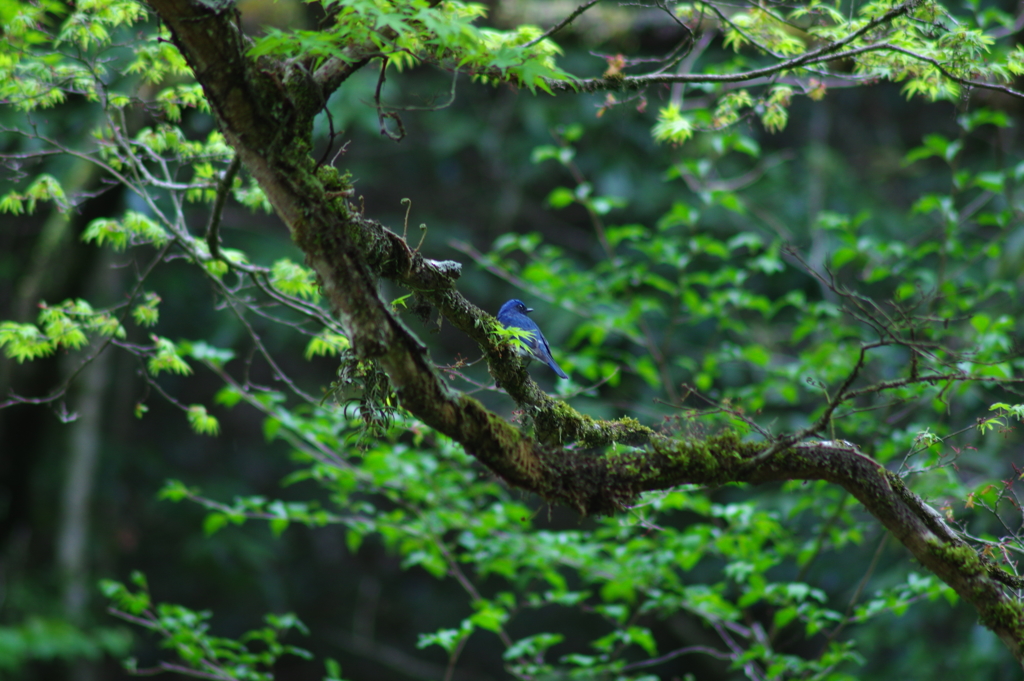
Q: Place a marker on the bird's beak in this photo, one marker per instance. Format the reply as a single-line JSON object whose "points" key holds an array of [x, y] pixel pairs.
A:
{"points": [[529, 310]]}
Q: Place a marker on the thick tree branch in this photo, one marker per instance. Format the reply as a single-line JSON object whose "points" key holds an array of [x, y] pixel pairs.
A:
{"points": [[266, 108], [336, 71]]}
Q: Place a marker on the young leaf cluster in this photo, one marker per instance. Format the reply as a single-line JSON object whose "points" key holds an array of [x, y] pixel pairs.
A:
{"points": [[410, 33]]}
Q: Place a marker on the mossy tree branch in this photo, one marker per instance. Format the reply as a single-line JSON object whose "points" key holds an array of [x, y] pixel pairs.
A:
{"points": [[266, 108]]}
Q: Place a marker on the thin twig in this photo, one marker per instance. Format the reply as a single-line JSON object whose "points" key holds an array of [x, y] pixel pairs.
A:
{"points": [[227, 180], [717, 654], [558, 27], [330, 137], [383, 115]]}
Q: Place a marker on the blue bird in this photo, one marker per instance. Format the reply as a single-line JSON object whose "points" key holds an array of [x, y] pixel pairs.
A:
{"points": [[513, 314]]}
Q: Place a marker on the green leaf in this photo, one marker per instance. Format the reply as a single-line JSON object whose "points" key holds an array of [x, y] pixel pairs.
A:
{"points": [[326, 343], [24, 341], [147, 313], [488, 616], [295, 280], [213, 523], [175, 490], [228, 396], [106, 231], [202, 422], [672, 126], [165, 358], [992, 182], [205, 352], [561, 197]]}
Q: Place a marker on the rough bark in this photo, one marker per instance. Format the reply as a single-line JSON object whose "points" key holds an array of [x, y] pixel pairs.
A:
{"points": [[265, 108]]}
